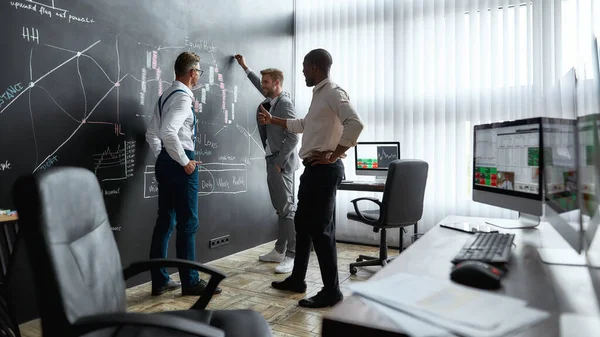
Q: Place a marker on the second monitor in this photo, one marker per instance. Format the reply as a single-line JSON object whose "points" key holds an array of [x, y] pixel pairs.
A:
{"points": [[373, 158], [506, 162]]}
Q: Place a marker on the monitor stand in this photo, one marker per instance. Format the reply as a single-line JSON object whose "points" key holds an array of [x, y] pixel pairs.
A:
{"points": [[524, 221], [565, 257], [380, 179]]}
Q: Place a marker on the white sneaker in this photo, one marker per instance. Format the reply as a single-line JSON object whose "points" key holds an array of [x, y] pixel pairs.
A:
{"points": [[272, 256], [286, 266]]}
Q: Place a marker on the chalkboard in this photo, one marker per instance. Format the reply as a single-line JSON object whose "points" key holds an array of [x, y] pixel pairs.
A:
{"points": [[79, 83]]}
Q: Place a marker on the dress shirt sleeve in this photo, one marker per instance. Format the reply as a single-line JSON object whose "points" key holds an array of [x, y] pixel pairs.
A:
{"points": [[295, 125], [172, 122], [353, 125], [151, 134]]}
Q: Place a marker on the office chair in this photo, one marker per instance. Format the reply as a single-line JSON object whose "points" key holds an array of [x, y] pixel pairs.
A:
{"points": [[401, 206], [77, 268]]}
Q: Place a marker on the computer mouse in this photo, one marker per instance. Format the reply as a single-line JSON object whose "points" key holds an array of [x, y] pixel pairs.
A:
{"points": [[477, 274]]}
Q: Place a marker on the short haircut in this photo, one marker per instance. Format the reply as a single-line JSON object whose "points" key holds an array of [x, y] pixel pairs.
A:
{"points": [[321, 59], [275, 74], [185, 61]]}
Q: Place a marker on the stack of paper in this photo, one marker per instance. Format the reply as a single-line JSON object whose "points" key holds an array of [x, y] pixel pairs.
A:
{"points": [[462, 310]]}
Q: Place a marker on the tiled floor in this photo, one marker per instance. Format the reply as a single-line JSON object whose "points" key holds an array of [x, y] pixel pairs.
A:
{"points": [[247, 286]]}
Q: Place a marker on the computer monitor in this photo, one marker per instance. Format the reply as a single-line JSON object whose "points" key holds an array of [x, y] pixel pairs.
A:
{"points": [[373, 158], [589, 164], [589, 187], [507, 169], [561, 184]]}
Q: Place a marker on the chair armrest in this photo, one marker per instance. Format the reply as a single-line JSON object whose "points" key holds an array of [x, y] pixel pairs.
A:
{"points": [[382, 210], [216, 276], [92, 323]]}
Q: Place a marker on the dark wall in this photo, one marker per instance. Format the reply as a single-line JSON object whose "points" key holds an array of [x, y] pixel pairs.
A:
{"points": [[78, 84]]}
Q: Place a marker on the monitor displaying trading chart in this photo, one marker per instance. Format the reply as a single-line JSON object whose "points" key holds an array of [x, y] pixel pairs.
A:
{"points": [[507, 157], [376, 155]]}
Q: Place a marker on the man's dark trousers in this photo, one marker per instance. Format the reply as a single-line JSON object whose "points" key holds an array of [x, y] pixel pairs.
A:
{"points": [[314, 222], [177, 204]]}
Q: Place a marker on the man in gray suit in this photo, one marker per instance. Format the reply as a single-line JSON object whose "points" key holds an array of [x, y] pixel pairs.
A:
{"points": [[282, 161]]}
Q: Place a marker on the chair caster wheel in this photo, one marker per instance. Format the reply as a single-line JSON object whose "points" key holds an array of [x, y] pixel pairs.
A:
{"points": [[353, 270], [358, 259]]}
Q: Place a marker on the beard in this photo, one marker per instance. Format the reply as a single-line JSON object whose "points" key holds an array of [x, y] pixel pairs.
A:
{"points": [[267, 92]]}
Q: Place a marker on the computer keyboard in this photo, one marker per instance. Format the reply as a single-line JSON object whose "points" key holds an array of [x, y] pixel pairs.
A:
{"points": [[492, 248]]}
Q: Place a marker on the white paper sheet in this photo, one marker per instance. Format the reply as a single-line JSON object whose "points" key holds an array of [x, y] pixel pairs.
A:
{"points": [[408, 324], [452, 307]]}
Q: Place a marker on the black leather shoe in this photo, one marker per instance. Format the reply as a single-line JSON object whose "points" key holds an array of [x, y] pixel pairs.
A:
{"points": [[171, 285], [198, 289], [290, 285], [321, 300]]}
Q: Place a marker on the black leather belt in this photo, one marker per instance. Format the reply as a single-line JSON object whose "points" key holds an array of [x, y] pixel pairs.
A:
{"points": [[305, 162]]}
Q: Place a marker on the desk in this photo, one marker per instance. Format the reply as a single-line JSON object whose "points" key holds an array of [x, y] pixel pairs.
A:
{"points": [[359, 186], [556, 289], [8, 240], [8, 218], [362, 186], [366, 186], [8, 237]]}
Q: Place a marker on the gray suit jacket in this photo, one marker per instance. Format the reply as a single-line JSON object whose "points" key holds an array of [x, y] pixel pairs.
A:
{"points": [[281, 141]]}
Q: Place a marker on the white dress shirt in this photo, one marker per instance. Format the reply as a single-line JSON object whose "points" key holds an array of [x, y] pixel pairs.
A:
{"points": [[176, 127], [331, 120], [506, 185], [268, 151]]}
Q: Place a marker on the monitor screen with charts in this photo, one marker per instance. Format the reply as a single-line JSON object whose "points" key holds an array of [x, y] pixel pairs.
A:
{"points": [[506, 165], [507, 159], [373, 158]]}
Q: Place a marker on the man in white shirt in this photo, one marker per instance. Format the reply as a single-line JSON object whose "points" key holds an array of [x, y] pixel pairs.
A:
{"points": [[172, 136], [282, 161], [329, 129], [503, 181]]}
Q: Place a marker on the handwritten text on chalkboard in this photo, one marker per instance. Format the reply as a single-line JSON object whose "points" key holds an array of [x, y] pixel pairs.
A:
{"points": [[50, 11], [4, 165], [10, 93]]}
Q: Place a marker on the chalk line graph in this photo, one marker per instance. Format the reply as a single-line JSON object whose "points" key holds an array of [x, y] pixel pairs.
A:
{"points": [[86, 114], [34, 83], [115, 165]]}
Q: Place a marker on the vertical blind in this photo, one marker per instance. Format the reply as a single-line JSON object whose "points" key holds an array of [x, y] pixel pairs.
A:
{"points": [[423, 72]]}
